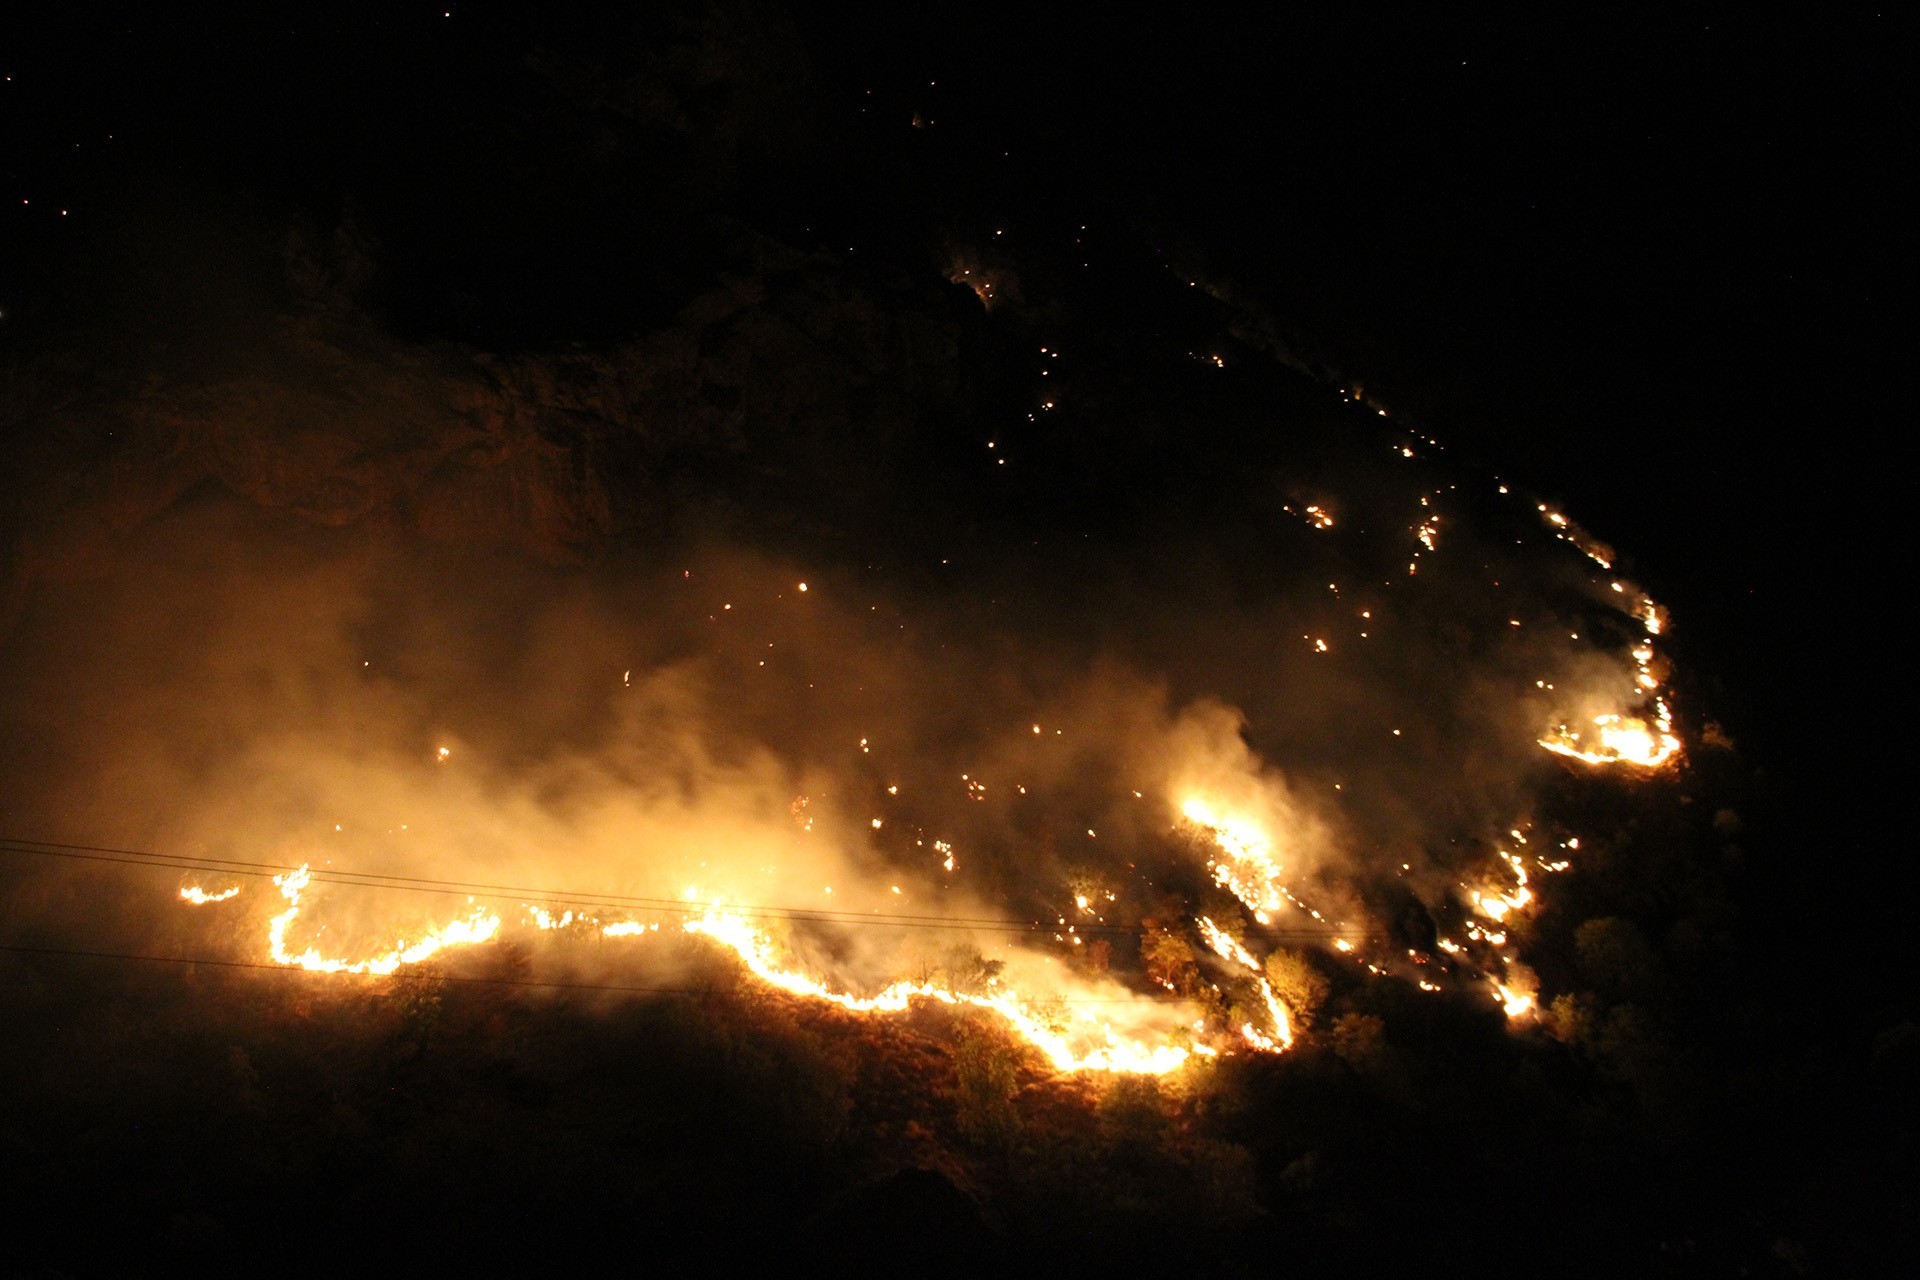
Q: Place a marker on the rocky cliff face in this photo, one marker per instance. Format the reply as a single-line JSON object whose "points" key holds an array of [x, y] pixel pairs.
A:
{"points": [[787, 366], [334, 432]]}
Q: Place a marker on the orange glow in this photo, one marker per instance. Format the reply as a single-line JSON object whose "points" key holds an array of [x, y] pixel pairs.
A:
{"points": [[1280, 1034], [1116, 1031], [1618, 739], [1088, 1041], [1248, 870], [477, 927]]}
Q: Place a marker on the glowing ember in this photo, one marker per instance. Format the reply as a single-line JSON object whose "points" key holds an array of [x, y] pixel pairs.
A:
{"points": [[1567, 531], [200, 897]]}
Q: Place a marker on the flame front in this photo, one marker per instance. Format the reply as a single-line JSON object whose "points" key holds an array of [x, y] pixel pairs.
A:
{"points": [[1078, 1041], [1644, 736], [1094, 1045], [477, 927], [1618, 739], [1229, 948], [1248, 870]]}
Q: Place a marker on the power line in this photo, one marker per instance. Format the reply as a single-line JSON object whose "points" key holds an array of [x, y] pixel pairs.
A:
{"points": [[587, 899], [557, 897]]}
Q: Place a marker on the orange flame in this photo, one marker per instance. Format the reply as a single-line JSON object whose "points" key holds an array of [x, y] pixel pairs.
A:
{"points": [[1097, 1046], [478, 927]]}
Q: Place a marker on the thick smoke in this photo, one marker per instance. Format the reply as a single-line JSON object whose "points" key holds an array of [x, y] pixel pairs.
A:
{"points": [[749, 608]]}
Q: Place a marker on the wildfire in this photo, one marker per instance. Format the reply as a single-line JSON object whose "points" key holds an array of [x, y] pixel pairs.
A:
{"points": [[1567, 531], [1497, 907], [1248, 870], [1080, 1040], [1248, 858], [477, 927], [1642, 736], [544, 919], [1230, 949], [1093, 1045], [1618, 739], [1123, 1031], [1517, 1004]]}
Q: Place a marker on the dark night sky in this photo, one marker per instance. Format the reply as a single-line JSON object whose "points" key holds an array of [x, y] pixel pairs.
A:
{"points": [[1648, 265]]}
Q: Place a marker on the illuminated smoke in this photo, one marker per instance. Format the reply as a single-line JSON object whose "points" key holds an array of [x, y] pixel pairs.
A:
{"points": [[373, 616]]}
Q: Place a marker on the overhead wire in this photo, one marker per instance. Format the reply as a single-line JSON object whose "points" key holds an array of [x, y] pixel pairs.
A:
{"points": [[585, 898]]}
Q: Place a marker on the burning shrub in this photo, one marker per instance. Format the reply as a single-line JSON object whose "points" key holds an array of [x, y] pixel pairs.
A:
{"points": [[1301, 987]]}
